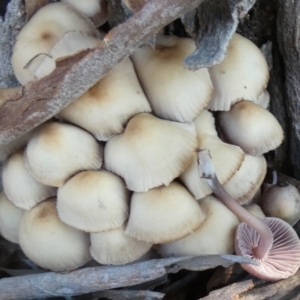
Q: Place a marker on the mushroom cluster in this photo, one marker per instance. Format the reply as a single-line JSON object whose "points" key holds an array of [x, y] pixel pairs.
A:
{"points": [[116, 171]]}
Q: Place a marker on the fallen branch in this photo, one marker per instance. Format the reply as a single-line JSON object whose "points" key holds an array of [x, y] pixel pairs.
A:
{"points": [[43, 99], [94, 279]]}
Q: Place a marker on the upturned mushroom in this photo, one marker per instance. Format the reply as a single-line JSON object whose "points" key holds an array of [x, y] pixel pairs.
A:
{"points": [[174, 92], [94, 201], [29, 192], [50, 243], [37, 38], [150, 152], [251, 127], [270, 241], [58, 150], [10, 217], [106, 107], [114, 247], [163, 214], [243, 74]]}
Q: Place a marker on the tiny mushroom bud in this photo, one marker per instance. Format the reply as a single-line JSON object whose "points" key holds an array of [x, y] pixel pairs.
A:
{"points": [[281, 201], [57, 151], [174, 92], [163, 214], [106, 107], [270, 241], [251, 127], [50, 243], [114, 247], [243, 74], [93, 201], [10, 217], [29, 192], [150, 152]]}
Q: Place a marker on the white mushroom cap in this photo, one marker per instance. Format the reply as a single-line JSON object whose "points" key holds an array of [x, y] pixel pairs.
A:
{"points": [[214, 236], [251, 127], [57, 151], [106, 107], [10, 217], [247, 179], [174, 92], [243, 74], [281, 202], [114, 247], [42, 32], [255, 210], [50, 243], [21, 189], [163, 214], [263, 99], [93, 201], [150, 152]]}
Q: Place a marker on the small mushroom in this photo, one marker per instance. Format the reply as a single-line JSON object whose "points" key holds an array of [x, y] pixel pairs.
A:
{"points": [[251, 127], [243, 74], [114, 247], [174, 92], [29, 192], [163, 214], [281, 201], [272, 242], [58, 150], [10, 217], [106, 107], [93, 201], [50, 243], [150, 152]]}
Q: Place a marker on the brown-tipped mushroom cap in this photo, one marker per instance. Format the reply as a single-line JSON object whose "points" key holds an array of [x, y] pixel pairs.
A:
{"points": [[283, 259], [114, 247], [163, 214], [29, 192], [246, 181], [214, 236], [107, 106], [243, 74], [251, 127], [93, 201], [57, 151], [10, 217], [50, 243], [281, 202], [150, 152], [42, 32], [174, 92]]}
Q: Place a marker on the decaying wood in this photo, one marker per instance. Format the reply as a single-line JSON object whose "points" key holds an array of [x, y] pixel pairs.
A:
{"points": [[43, 99], [218, 21], [289, 45], [94, 279]]}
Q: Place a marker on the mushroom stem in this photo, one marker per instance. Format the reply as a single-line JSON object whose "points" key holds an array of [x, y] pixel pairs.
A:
{"points": [[206, 170]]}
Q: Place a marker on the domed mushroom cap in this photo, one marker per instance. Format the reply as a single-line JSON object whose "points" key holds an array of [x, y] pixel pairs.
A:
{"points": [[58, 150], [106, 107], [163, 214], [246, 181], [42, 32], [114, 247], [243, 74], [251, 127], [50, 243], [93, 201], [10, 217], [283, 259], [281, 202], [29, 192], [150, 152], [214, 236], [174, 92]]}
